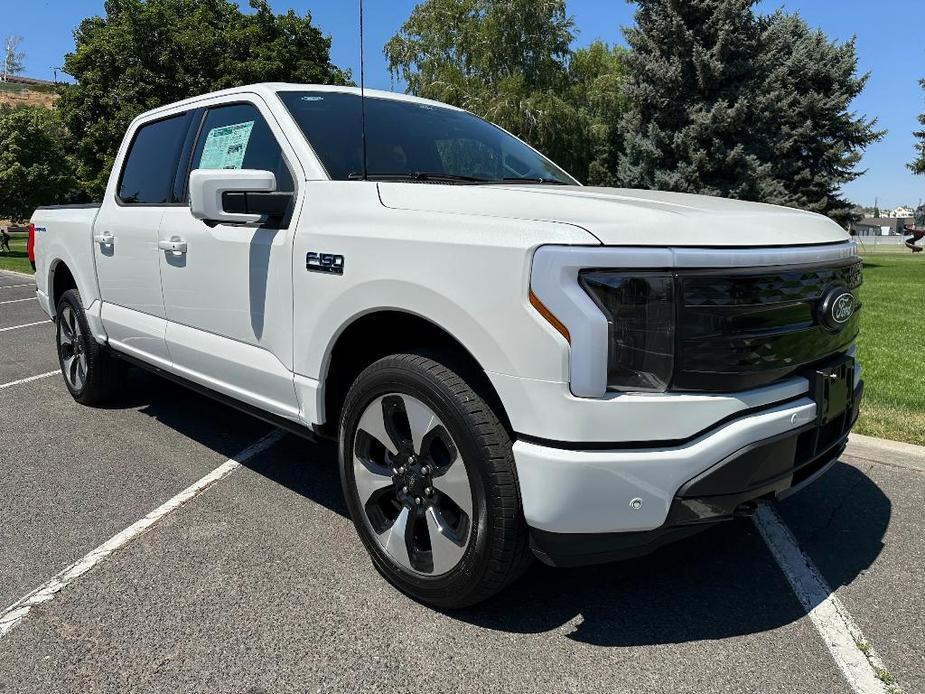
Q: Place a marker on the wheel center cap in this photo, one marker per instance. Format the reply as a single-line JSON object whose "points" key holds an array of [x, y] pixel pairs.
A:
{"points": [[414, 480]]}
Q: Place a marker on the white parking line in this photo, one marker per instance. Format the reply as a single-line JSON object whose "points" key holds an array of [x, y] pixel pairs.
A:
{"points": [[852, 652], [15, 613], [25, 325], [16, 286], [16, 301], [29, 380]]}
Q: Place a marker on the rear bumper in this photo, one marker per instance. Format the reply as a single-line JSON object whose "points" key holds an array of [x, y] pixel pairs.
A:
{"points": [[44, 302], [586, 507]]}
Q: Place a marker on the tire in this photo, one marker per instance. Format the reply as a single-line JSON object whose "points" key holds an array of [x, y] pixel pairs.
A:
{"points": [[90, 373], [442, 432]]}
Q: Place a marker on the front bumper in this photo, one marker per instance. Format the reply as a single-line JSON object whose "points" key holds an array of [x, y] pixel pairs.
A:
{"points": [[592, 506]]}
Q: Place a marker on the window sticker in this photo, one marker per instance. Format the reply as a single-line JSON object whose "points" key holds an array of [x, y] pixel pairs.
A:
{"points": [[225, 146]]}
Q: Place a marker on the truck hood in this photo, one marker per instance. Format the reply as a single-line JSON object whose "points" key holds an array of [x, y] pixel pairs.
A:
{"points": [[625, 217]]}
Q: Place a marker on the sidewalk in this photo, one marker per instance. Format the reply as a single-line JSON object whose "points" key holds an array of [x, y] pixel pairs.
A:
{"points": [[904, 455]]}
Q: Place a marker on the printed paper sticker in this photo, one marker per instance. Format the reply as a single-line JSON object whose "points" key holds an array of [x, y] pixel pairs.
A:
{"points": [[225, 146]]}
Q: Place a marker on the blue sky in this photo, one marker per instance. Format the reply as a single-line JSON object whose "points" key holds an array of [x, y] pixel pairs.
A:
{"points": [[888, 39]]}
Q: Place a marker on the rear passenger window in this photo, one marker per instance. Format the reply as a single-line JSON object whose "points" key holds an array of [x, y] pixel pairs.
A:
{"points": [[147, 177], [238, 137]]}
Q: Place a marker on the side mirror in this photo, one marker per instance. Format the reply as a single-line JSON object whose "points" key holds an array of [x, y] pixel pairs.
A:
{"points": [[210, 188]]}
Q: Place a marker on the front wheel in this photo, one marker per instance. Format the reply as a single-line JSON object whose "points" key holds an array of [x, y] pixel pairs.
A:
{"points": [[428, 474]]}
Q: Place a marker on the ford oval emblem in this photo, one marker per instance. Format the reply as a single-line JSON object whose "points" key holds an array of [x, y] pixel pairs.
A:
{"points": [[837, 307]]}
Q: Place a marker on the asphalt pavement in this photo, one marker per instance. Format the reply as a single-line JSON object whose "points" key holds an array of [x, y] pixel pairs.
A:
{"points": [[259, 585]]}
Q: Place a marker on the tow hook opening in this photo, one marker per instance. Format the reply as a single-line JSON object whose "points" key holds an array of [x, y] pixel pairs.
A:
{"points": [[746, 510]]}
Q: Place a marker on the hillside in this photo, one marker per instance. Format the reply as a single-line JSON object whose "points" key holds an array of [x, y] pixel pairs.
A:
{"points": [[24, 91]]}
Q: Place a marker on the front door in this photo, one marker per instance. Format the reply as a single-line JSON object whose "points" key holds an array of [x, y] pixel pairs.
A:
{"points": [[228, 291], [125, 239]]}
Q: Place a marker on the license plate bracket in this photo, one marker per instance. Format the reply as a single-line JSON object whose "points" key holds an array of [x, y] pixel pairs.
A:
{"points": [[833, 390]]}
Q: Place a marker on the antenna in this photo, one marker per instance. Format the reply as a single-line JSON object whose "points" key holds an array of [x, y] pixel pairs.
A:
{"points": [[363, 94]]}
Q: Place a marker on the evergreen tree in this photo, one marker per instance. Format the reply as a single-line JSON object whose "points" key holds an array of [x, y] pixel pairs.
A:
{"points": [[692, 110], [147, 53], [814, 142], [510, 62], [723, 102], [918, 166]]}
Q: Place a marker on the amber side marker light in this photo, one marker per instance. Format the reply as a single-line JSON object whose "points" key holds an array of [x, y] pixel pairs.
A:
{"points": [[550, 318]]}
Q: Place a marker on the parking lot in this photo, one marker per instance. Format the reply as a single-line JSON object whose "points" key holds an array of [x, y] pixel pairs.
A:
{"points": [[258, 583]]}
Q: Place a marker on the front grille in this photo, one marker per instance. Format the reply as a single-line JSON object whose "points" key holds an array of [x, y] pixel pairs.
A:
{"points": [[744, 329]]}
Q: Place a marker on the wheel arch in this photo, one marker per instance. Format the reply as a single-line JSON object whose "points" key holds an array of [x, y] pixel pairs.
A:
{"points": [[397, 331], [60, 280]]}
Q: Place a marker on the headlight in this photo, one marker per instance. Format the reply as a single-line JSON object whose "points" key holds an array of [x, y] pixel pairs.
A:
{"points": [[640, 311]]}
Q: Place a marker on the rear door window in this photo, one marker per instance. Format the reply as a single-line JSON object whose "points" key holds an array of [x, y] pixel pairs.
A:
{"points": [[237, 137], [147, 176]]}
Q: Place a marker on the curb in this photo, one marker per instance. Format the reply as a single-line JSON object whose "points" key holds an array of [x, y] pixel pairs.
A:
{"points": [[17, 272], [894, 453]]}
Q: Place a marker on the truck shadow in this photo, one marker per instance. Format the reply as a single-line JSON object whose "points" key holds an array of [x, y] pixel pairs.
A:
{"points": [[720, 584]]}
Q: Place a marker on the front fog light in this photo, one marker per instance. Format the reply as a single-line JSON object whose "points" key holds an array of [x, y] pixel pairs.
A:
{"points": [[640, 311]]}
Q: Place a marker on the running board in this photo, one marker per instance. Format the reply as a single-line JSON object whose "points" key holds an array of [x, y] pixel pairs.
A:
{"points": [[268, 417]]}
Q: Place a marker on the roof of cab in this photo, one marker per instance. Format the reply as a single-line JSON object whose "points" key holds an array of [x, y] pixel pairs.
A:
{"points": [[269, 89]]}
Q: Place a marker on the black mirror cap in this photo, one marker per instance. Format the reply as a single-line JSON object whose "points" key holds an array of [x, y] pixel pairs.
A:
{"points": [[276, 207]]}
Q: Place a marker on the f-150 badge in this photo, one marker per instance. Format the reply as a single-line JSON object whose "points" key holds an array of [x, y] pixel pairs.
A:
{"points": [[325, 262]]}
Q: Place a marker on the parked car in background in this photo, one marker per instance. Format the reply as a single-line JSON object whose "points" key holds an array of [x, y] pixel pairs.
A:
{"points": [[513, 364]]}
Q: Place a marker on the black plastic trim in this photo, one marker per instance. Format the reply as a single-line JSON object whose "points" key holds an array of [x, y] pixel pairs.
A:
{"points": [[75, 206], [268, 417], [180, 183], [782, 464]]}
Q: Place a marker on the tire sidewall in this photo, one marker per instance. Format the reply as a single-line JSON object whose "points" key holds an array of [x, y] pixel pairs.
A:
{"points": [[71, 299], [394, 379]]}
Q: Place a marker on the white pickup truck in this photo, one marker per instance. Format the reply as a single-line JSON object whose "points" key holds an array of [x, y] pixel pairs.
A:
{"points": [[513, 364]]}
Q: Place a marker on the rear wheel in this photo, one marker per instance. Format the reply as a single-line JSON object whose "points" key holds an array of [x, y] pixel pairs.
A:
{"points": [[91, 374], [428, 474]]}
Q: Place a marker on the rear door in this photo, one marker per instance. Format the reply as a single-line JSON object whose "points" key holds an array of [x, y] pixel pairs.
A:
{"points": [[125, 238]]}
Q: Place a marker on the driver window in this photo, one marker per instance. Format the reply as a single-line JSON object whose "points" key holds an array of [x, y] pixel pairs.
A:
{"points": [[237, 137]]}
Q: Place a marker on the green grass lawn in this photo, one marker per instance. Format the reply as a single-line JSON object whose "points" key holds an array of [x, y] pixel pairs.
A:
{"points": [[17, 259], [892, 347]]}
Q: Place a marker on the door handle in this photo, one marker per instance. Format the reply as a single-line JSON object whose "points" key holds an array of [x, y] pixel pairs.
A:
{"points": [[105, 239], [175, 245]]}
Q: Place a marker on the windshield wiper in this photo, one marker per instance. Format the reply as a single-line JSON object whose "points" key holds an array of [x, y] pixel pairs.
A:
{"points": [[418, 176], [535, 181]]}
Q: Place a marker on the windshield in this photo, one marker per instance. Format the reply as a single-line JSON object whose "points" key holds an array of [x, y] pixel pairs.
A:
{"points": [[414, 141]]}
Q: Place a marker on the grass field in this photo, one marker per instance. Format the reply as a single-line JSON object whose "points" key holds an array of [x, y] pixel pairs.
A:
{"points": [[17, 259], [892, 347]]}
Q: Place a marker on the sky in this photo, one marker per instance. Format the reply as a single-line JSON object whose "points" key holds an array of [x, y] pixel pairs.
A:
{"points": [[888, 35]]}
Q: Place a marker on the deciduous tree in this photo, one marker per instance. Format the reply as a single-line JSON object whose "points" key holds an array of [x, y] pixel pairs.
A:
{"points": [[35, 165], [510, 61], [12, 57], [146, 53]]}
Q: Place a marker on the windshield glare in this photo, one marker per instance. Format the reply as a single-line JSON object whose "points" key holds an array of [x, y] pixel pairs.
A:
{"points": [[412, 139]]}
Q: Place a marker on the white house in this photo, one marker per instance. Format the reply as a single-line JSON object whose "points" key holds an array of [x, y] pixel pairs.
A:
{"points": [[901, 211]]}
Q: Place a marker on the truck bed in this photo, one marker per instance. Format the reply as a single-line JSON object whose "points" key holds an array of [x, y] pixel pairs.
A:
{"points": [[65, 232]]}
